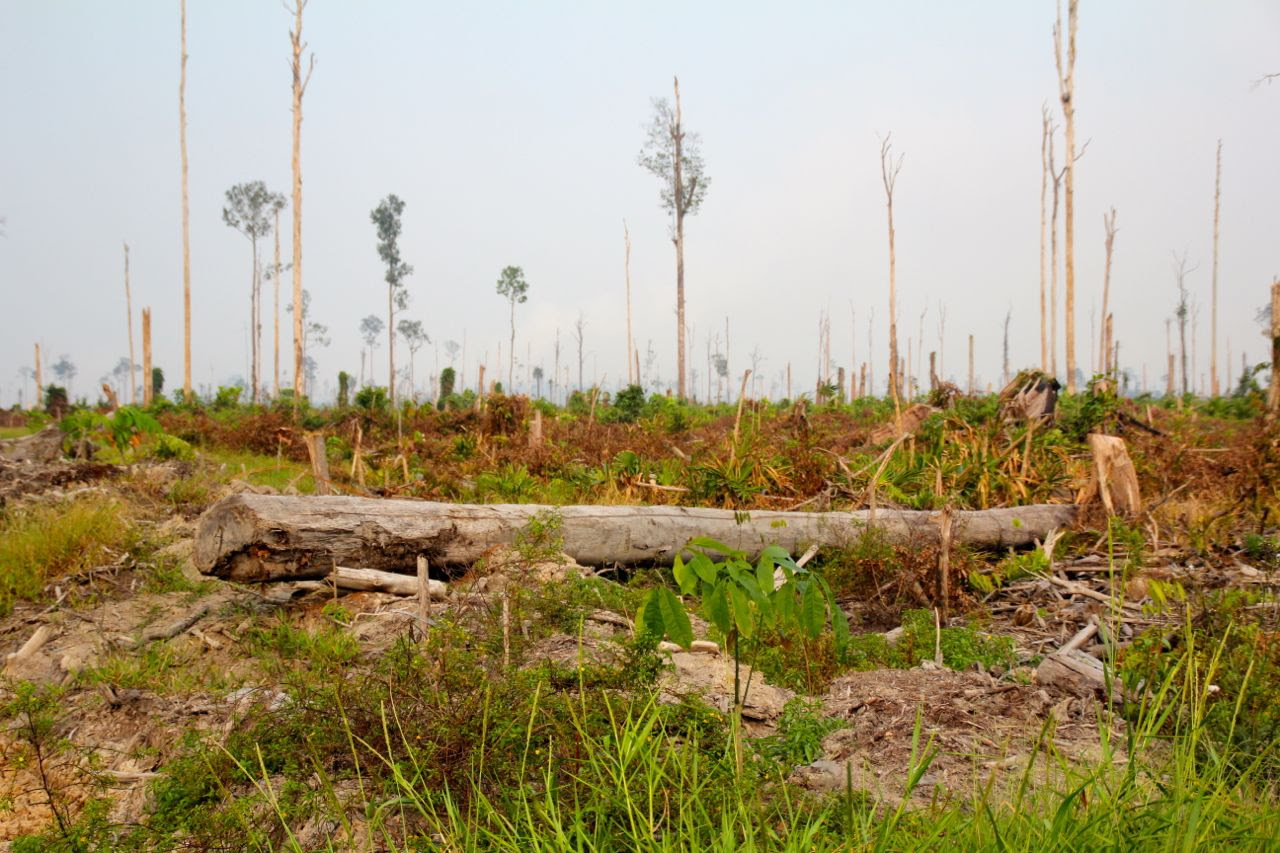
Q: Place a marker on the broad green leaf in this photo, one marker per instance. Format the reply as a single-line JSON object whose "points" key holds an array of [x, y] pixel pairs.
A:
{"points": [[716, 606], [714, 545], [764, 572], [685, 576], [674, 616], [703, 567], [784, 606], [742, 611], [651, 615], [748, 582], [812, 611], [839, 622]]}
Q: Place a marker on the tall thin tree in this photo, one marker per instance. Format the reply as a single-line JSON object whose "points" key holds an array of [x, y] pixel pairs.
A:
{"points": [[1056, 176], [1046, 133], [275, 321], [633, 359], [674, 157], [386, 216], [889, 175], [300, 81], [513, 288], [186, 216], [1109, 226], [1066, 92], [1213, 334], [248, 210], [1183, 312], [128, 304]]}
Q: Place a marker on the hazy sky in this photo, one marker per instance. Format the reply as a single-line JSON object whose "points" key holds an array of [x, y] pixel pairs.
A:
{"points": [[511, 131]]}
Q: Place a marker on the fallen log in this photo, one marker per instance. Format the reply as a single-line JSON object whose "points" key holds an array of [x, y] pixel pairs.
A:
{"points": [[248, 537]]}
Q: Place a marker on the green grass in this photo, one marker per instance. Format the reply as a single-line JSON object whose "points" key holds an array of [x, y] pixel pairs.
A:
{"points": [[41, 543], [260, 470], [15, 432]]}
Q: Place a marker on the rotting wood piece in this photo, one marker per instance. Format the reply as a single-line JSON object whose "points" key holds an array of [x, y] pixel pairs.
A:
{"points": [[250, 537], [1114, 478]]}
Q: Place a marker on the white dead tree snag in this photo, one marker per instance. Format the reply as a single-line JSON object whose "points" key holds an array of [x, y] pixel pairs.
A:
{"points": [[251, 537]]}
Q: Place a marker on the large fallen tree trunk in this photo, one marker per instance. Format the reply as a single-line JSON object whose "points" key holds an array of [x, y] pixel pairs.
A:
{"points": [[251, 537]]}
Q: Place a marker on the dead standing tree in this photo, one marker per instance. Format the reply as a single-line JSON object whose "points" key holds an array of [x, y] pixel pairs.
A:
{"points": [[1055, 175], [1273, 395], [1046, 134], [128, 305], [1104, 355], [673, 156], [1066, 91], [889, 175], [633, 358], [1183, 312], [1214, 388], [300, 81], [186, 216]]}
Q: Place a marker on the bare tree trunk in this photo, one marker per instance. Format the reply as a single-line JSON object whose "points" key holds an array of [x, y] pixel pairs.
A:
{"points": [[889, 175], [254, 324], [186, 218], [633, 376], [1170, 387], [1067, 91], [788, 380], [1214, 388], [678, 194], [1109, 225], [148, 387], [300, 82], [971, 385], [128, 304], [39, 380], [1046, 133], [1273, 397], [1053, 265], [511, 356], [1004, 373], [275, 280]]}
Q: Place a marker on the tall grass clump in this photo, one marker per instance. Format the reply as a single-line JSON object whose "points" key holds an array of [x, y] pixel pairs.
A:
{"points": [[41, 543]]}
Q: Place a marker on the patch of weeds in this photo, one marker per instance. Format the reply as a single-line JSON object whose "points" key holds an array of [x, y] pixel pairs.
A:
{"points": [[1016, 566], [325, 647], [164, 574], [541, 538], [962, 646], [1262, 550], [67, 777], [189, 495], [42, 543], [161, 667], [801, 728], [511, 483]]}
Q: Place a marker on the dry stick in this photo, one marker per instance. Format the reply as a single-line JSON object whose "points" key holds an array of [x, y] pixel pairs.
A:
{"points": [[944, 559], [424, 593], [148, 387], [737, 421], [1081, 637], [30, 647], [506, 630], [39, 381]]}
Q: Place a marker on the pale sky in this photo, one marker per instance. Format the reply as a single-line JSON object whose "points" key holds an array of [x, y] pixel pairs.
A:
{"points": [[511, 131]]}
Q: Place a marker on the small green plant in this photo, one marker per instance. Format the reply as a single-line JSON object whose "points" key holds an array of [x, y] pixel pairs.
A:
{"points": [[801, 728], [740, 600], [372, 398]]}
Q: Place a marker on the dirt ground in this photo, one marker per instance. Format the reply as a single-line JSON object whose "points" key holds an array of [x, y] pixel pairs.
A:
{"points": [[978, 727]]}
